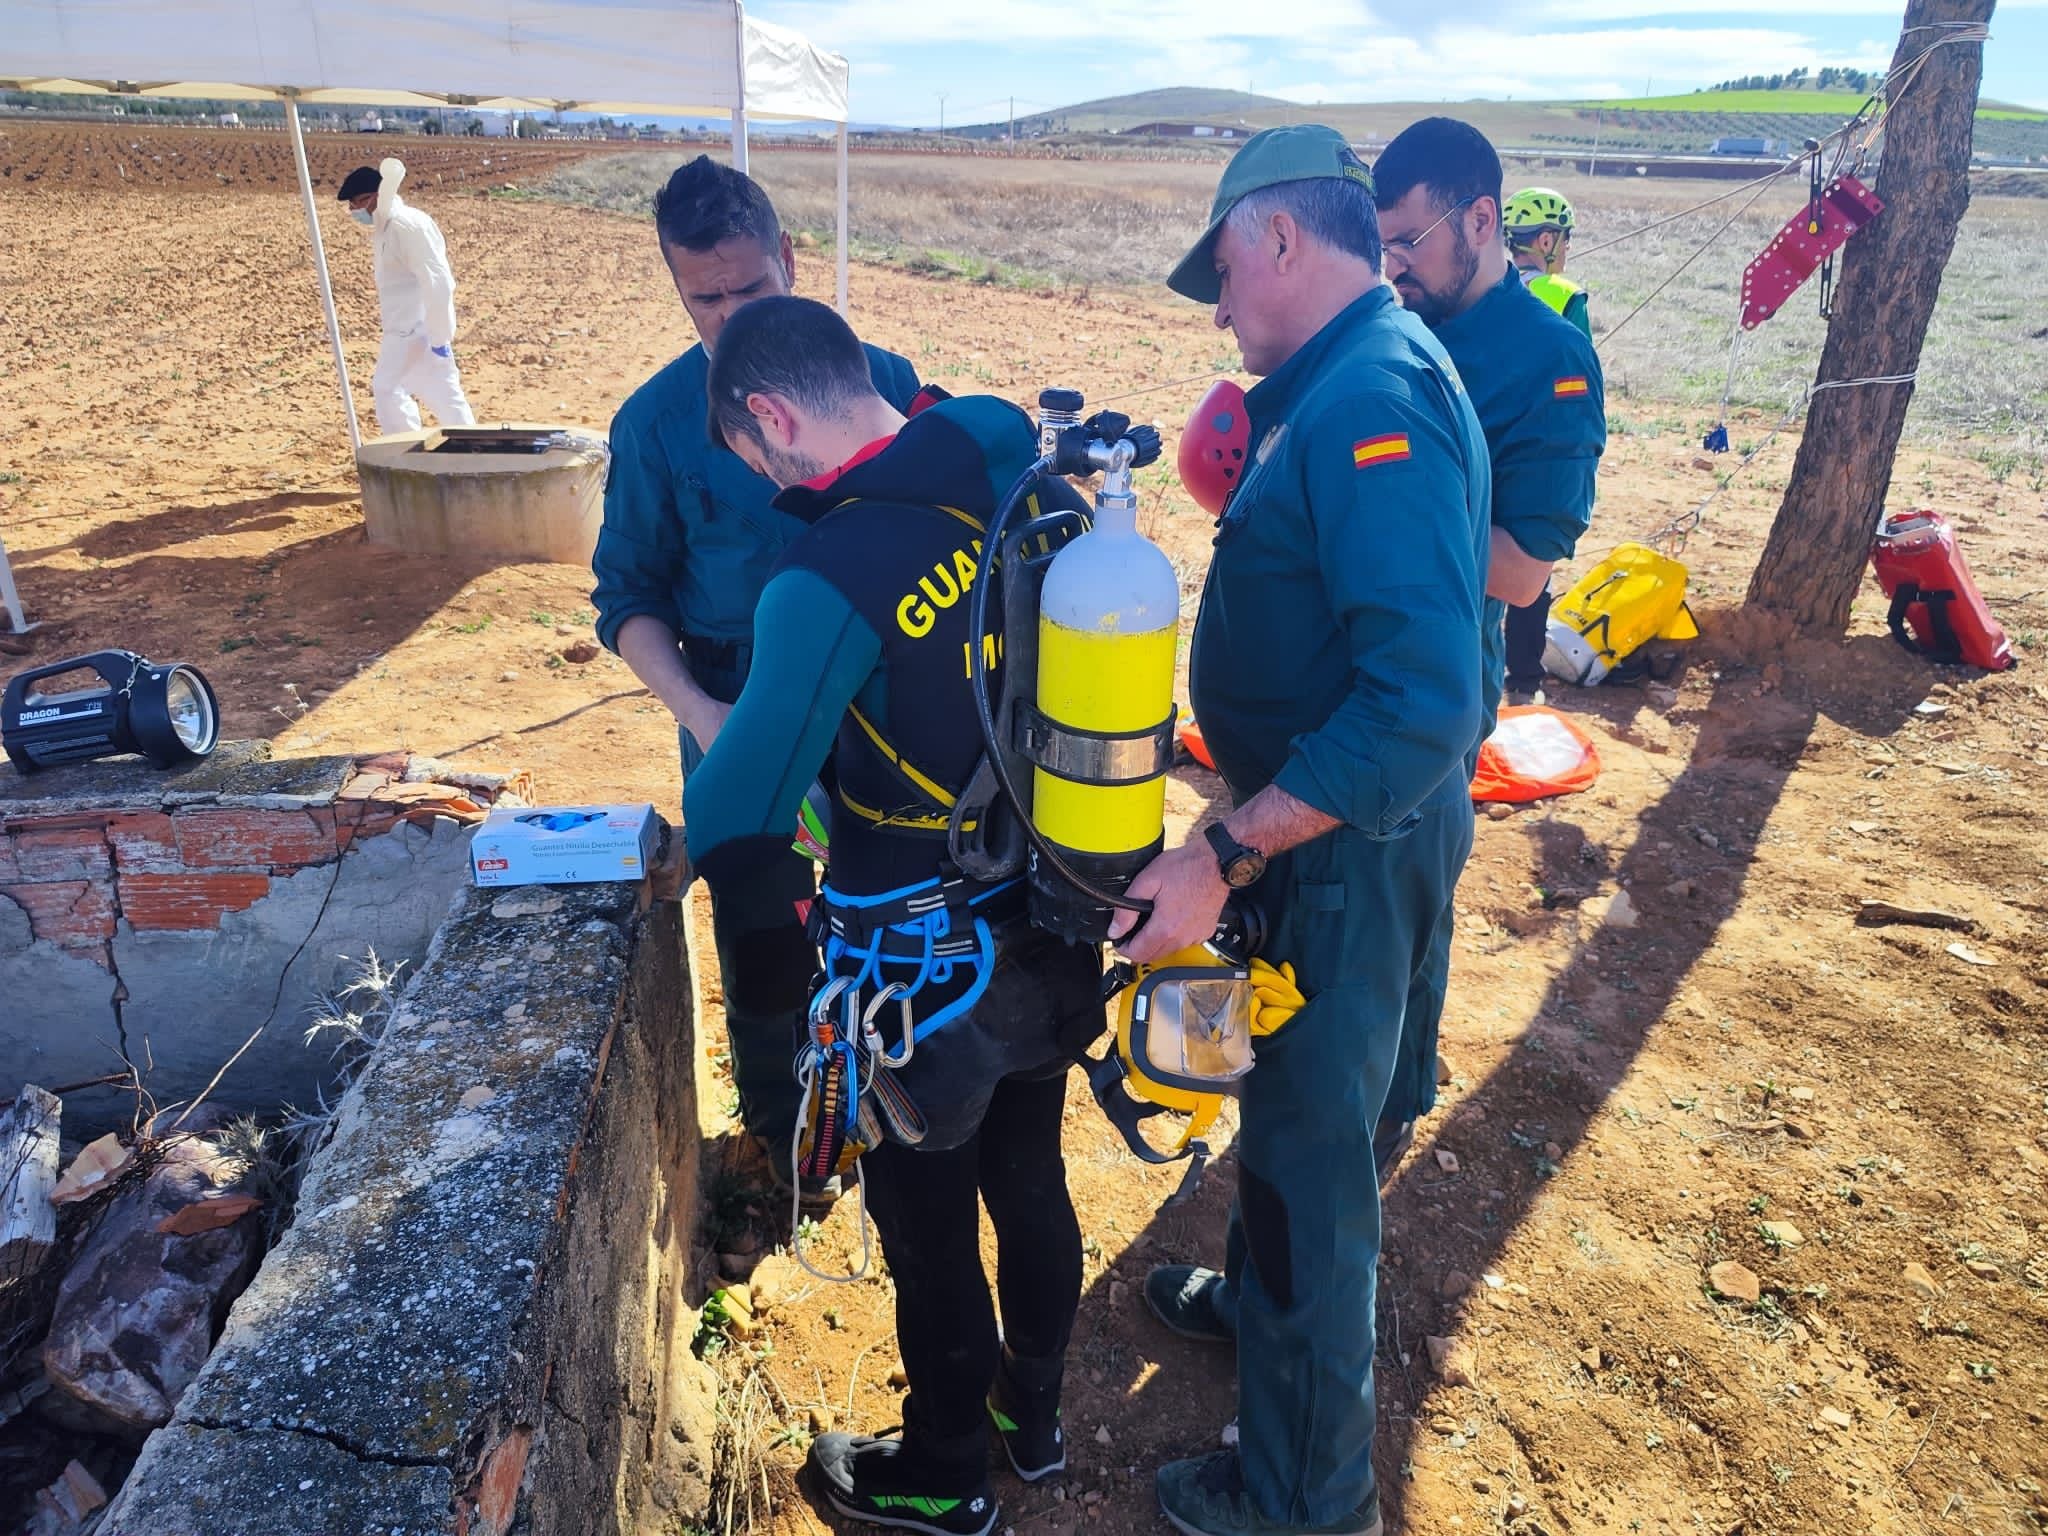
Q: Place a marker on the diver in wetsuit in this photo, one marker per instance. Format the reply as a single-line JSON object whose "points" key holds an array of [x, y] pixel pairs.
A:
{"points": [[861, 651]]}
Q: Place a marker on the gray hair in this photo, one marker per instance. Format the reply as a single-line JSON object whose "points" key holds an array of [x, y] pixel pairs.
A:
{"points": [[1333, 211]]}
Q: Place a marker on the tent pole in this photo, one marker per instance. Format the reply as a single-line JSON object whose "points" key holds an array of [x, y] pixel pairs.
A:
{"points": [[739, 140], [10, 599], [739, 110], [842, 219], [348, 402]]}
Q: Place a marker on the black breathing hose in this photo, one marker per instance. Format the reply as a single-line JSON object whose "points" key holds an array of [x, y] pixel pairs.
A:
{"points": [[984, 709]]}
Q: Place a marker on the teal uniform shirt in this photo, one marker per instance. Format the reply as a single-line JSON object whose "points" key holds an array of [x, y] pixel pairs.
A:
{"points": [[690, 533], [1338, 656], [1535, 381], [1337, 653]]}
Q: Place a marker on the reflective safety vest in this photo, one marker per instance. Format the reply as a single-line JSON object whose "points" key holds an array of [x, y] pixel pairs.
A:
{"points": [[1554, 289]]}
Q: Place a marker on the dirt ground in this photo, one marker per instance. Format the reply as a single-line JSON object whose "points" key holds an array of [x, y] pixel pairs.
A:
{"points": [[1635, 1088]]}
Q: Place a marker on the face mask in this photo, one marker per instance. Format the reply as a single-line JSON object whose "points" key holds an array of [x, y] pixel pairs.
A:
{"points": [[363, 216]]}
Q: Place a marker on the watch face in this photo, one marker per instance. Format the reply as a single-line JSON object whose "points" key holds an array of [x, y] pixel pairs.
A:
{"points": [[1244, 870]]}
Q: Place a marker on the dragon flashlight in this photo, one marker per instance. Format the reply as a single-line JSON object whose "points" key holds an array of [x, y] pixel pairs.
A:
{"points": [[167, 714]]}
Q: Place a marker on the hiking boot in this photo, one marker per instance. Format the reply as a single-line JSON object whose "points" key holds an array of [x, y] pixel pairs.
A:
{"points": [[1024, 1404], [1391, 1140], [1520, 696], [1184, 1297], [1207, 1497], [871, 1479]]}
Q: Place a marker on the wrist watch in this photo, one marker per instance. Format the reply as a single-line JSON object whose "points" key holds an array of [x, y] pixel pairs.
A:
{"points": [[1240, 866]]}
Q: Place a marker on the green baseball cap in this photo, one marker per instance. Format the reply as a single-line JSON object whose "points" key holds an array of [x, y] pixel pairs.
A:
{"points": [[1303, 152]]}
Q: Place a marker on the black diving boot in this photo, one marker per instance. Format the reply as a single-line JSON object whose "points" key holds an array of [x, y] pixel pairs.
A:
{"points": [[1024, 1404], [884, 1482]]}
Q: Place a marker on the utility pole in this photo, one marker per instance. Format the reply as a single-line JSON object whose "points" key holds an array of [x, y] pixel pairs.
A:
{"points": [[942, 122], [1813, 562], [1013, 125]]}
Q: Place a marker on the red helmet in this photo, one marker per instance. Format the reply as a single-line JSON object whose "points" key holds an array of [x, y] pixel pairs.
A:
{"points": [[1212, 449]]}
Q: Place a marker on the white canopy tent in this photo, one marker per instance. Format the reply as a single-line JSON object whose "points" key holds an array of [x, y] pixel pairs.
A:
{"points": [[640, 57]]}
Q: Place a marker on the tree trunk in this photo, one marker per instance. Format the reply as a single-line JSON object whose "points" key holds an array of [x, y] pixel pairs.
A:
{"points": [[1890, 275]]}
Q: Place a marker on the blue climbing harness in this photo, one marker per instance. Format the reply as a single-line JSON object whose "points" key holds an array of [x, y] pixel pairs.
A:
{"points": [[915, 937], [880, 950]]}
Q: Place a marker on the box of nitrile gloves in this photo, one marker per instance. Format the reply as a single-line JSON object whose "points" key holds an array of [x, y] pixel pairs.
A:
{"points": [[565, 844]]}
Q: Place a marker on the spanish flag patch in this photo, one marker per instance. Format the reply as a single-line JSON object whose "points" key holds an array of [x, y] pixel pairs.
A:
{"points": [[1574, 385], [1387, 448]]}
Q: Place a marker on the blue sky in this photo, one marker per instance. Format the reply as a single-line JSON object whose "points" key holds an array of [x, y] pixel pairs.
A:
{"points": [[905, 52]]}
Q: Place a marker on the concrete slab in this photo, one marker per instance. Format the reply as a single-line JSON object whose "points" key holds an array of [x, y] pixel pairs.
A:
{"points": [[493, 1258], [238, 772], [419, 1217], [274, 1481]]}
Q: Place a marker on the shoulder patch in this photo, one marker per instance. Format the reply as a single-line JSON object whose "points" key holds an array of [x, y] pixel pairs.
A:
{"points": [[1387, 448], [1571, 384]]}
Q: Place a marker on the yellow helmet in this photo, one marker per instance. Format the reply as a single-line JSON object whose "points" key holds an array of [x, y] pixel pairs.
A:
{"points": [[1534, 210]]}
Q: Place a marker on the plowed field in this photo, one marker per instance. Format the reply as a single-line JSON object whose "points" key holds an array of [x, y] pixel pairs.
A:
{"points": [[134, 155]]}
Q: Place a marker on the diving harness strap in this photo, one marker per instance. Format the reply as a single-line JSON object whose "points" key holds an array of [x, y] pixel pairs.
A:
{"points": [[879, 953]]}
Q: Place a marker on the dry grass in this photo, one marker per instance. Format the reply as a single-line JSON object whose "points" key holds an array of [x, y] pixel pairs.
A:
{"points": [[1018, 221], [1985, 368], [1981, 370]]}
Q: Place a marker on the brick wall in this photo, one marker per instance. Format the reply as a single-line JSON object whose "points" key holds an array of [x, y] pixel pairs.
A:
{"points": [[180, 920], [77, 873]]}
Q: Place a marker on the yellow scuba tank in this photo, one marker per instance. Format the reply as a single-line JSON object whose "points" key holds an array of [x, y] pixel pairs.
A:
{"points": [[1633, 596], [1099, 731]]}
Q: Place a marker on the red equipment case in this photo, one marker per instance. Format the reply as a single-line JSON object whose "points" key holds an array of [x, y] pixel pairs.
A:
{"points": [[1936, 609]]}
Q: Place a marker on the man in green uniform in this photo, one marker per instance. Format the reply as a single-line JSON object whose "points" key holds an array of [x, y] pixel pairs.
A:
{"points": [[1536, 385], [1336, 670], [1539, 228], [690, 534], [859, 647]]}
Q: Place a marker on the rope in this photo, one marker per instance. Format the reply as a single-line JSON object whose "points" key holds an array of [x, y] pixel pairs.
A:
{"points": [[1149, 389], [1672, 536], [1685, 213], [1726, 224]]}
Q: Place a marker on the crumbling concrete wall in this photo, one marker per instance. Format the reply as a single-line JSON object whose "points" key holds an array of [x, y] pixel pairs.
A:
{"points": [[168, 917], [479, 1321]]}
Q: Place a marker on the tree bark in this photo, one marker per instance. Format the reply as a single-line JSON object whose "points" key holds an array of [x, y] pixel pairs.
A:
{"points": [[1890, 276]]}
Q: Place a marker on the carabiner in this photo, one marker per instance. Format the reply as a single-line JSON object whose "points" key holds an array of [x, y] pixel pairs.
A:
{"points": [[821, 1005], [871, 1037]]}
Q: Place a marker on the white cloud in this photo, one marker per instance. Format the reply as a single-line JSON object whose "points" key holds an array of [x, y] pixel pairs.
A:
{"points": [[906, 51], [1112, 31], [1643, 10]]}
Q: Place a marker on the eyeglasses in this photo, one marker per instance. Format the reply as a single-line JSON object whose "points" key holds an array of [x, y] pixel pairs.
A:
{"points": [[1404, 250]]}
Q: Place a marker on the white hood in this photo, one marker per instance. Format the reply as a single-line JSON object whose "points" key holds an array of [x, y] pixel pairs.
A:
{"points": [[390, 176], [415, 286]]}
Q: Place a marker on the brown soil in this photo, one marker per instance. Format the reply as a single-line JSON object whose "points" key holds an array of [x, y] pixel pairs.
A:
{"points": [[1628, 1104], [142, 154]]}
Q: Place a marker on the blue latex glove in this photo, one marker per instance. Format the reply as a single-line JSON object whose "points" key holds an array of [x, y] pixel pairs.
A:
{"points": [[438, 351]]}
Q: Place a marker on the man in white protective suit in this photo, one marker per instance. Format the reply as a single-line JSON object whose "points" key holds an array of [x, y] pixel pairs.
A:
{"points": [[416, 299]]}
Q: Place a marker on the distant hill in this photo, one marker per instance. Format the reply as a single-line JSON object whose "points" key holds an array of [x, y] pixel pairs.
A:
{"points": [[1673, 124], [1113, 114]]}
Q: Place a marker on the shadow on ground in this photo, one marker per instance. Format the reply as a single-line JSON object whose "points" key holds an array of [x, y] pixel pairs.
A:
{"points": [[1704, 828]]}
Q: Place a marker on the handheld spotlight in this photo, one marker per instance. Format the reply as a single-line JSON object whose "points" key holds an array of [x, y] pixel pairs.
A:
{"points": [[167, 714]]}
